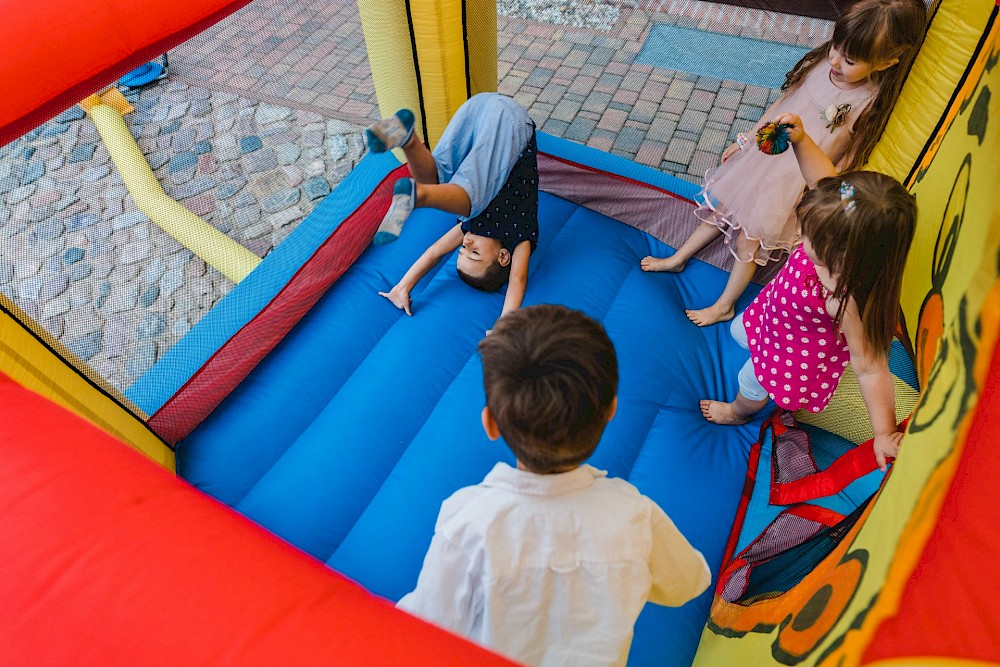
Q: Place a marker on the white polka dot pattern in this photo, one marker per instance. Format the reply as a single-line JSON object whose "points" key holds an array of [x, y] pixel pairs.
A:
{"points": [[780, 338], [512, 216]]}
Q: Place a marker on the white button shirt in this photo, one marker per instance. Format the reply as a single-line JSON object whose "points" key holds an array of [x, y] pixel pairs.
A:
{"points": [[553, 569]]}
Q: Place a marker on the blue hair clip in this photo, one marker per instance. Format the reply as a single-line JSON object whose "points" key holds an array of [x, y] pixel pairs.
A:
{"points": [[847, 196]]}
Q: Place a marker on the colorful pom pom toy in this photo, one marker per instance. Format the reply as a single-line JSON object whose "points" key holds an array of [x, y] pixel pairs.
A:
{"points": [[772, 138]]}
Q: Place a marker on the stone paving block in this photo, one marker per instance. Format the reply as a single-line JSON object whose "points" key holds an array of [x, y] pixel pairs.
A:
{"points": [[708, 83], [552, 94], [560, 49], [701, 100], [692, 121], [728, 98], [628, 97], [555, 127], [608, 83], [525, 98], [680, 89], [672, 106], [617, 67], [701, 162], [613, 120], [565, 110], [596, 102], [629, 140], [662, 76], [721, 116], [539, 77], [654, 91], [644, 112], [651, 153], [576, 58], [756, 96], [661, 129], [634, 81], [680, 150], [602, 142], [601, 55], [510, 85], [749, 112], [581, 84], [740, 125], [539, 116], [580, 129], [713, 141]]}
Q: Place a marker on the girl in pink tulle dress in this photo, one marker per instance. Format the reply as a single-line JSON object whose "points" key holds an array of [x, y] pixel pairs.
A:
{"points": [[844, 91]]}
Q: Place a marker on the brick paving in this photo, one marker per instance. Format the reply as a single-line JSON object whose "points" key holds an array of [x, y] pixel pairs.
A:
{"points": [[583, 84]]}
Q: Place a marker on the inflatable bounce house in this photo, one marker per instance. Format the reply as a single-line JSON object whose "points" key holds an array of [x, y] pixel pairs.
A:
{"points": [[261, 492]]}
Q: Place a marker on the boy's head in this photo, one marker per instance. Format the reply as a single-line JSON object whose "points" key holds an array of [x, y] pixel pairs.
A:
{"points": [[483, 262], [551, 380]]}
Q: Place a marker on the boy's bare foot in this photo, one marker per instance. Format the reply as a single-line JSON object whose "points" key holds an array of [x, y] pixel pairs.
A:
{"points": [[714, 313], [671, 264], [718, 412]]}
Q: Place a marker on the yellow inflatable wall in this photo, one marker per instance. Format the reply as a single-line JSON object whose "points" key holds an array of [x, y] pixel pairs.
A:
{"points": [[430, 56]]}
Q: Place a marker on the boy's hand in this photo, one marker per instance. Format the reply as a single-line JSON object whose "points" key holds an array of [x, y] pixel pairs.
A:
{"points": [[886, 446], [794, 126], [400, 297]]}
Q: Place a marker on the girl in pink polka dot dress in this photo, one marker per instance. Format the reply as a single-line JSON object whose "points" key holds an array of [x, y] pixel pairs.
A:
{"points": [[835, 301]]}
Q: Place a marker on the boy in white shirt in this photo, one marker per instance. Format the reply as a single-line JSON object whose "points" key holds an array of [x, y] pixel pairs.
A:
{"points": [[551, 562]]}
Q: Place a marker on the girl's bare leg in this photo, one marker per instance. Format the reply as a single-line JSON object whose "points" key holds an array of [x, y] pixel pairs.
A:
{"points": [[724, 308], [699, 238]]}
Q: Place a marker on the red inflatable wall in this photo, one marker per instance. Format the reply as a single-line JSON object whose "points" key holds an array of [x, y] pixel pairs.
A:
{"points": [[56, 52], [108, 559]]}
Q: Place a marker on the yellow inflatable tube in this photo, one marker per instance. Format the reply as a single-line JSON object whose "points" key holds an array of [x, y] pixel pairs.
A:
{"points": [[218, 250]]}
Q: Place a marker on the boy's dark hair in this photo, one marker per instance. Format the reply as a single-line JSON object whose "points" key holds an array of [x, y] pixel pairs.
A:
{"points": [[492, 279], [550, 375]]}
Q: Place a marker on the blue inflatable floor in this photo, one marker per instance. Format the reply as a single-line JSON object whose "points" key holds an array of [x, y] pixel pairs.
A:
{"points": [[347, 437]]}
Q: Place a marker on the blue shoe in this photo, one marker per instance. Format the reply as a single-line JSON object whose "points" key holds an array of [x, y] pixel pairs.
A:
{"points": [[391, 132], [403, 202]]}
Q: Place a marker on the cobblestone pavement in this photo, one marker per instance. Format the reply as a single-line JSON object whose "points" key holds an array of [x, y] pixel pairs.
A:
{"points": [[261, 118]]}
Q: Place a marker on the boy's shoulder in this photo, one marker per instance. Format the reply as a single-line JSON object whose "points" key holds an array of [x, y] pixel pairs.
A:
{"points": [[506, 490]]}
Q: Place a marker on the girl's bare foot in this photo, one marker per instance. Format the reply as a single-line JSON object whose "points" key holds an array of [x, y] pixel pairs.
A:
{"points": [[671, 264], [714, 313], [718, 412]]}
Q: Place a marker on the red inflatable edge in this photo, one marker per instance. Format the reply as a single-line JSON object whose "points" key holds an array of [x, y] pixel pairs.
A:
{"points": [[109, 559]]}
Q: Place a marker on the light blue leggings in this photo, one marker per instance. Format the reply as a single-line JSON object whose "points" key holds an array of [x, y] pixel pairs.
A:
{"points": [[480, 145], [750, 387]]}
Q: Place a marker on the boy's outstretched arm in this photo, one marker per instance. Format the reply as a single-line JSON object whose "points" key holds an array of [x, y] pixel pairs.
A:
{"points": [[518, 281], [399, 295], [813, 162]]}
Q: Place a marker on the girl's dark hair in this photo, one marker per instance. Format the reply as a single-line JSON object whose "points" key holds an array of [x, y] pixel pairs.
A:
{"points": [[873, 32], [863, 239], [550, 375]]}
